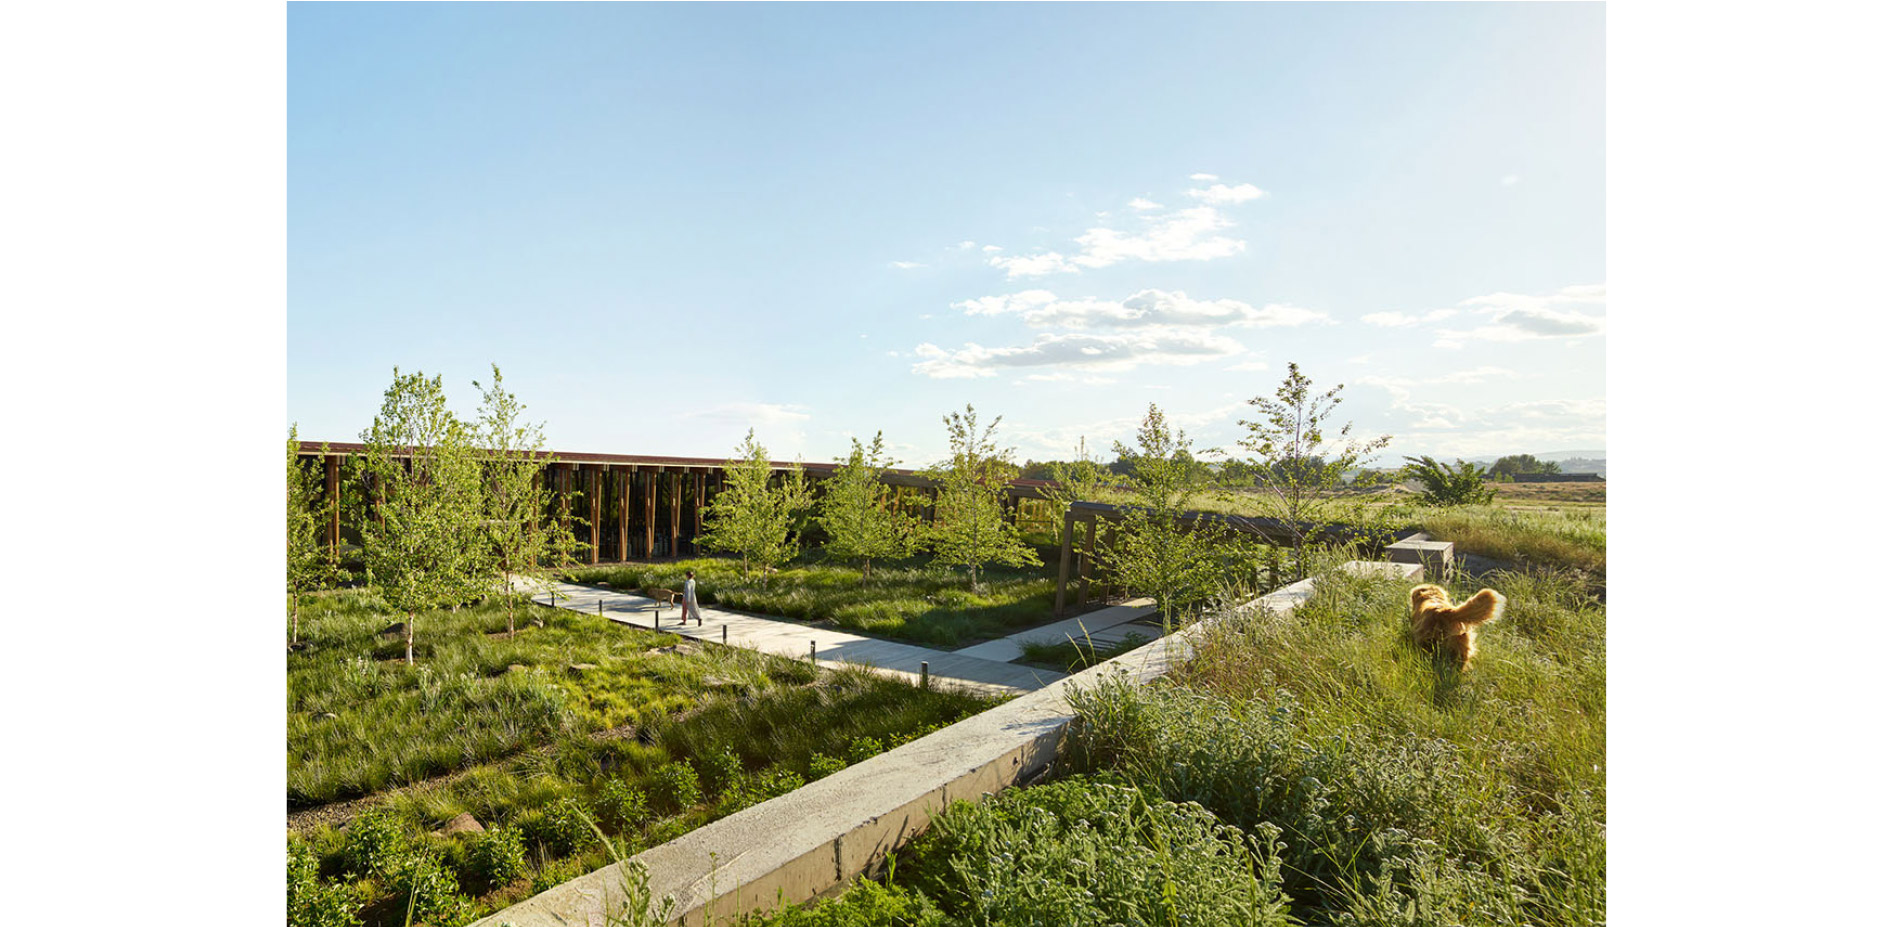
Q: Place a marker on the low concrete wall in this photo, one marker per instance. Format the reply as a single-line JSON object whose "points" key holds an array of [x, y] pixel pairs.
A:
{"points": [[811, 841]]}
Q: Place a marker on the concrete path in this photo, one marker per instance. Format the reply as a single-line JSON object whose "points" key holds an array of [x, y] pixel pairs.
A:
{"points": [[797, 640], [1102, 626]]}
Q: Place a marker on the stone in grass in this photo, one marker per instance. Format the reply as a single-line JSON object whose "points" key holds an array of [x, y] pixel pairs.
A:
{"points": [[579, 668], [517, 667], [396, 628], [463, 823]]}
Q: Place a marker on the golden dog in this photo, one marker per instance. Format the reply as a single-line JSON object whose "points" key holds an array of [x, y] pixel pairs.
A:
{"points": [[1452, 630]]}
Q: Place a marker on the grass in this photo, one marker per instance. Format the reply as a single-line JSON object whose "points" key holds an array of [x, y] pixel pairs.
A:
{"points": [[1377, 785], [910, 602], [1071, 655], [1543, 538], [646, 745]]}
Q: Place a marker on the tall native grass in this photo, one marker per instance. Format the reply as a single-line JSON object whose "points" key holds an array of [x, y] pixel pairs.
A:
{"points": [[908, 602], [760, 726], [1378, 785], [1566, 539], [1404, 791]]}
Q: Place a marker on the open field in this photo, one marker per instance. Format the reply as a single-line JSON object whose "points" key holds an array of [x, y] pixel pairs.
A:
{"points": [[574, 722]]}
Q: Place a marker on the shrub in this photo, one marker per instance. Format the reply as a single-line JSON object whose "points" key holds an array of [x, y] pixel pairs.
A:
{"points": [[374, 844], [312, 902], [676, 786], [621, 807], [561, 826], [1446, 485], [864, 904], [724, 771], [429, 889], [555, 873], [1079, 852], [864, 748], [823, 765], [498, 856]]}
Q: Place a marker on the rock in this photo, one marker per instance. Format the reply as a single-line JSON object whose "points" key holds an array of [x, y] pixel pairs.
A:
{"points": [[397, 628], [517, 668], [579, 668], [323, 715], [463, 823]]}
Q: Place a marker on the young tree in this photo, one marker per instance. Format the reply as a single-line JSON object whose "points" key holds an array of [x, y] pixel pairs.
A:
{"points": [[752, 517], [969, 530], [307, 562], [1154, 553], [857, 527], [1295, 458], [1449, 485], [1080, 480], [424, 544], [527, 543]]}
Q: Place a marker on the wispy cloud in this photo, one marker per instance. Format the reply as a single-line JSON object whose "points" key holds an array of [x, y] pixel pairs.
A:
{"points": [[1572, 312], [1082, 351], [1191, 234], [906, 265], [1403, 320], [1043, 309]]}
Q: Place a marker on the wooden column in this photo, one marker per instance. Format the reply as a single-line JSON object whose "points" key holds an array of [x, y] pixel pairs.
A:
{"points": [[701, 476], [626, 505], [651, 497], [593, 510], [673, 537], [1062, 559], [333, 488]]}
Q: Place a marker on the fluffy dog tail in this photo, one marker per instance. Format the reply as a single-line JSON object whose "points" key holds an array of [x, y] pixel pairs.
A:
{"points": [[1484, 605]]}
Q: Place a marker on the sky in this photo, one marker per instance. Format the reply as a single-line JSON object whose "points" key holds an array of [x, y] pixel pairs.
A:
{"points": [[669, 224]]}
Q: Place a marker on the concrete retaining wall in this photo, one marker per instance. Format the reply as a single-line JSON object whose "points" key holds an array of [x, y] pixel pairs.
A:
{"points": [[812, 841]]}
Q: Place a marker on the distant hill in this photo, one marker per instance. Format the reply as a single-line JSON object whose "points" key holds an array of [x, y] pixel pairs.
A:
{"points": [[1595, 461]]}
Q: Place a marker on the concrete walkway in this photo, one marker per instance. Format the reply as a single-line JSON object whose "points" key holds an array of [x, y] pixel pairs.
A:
{"points": [[972, 673], [1102, 626]]}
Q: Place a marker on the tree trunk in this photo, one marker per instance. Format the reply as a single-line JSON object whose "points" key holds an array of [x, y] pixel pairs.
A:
{"points": [[409, 639], [296, 610]]}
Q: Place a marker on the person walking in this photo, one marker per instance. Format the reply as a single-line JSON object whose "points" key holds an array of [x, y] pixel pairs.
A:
{"points": [[689, 603]]}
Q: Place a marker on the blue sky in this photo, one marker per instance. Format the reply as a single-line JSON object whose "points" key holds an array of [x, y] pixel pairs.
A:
{"points": [[670, 223]]}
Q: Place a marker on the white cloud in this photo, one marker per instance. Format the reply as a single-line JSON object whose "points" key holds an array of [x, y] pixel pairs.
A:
{"points": [[1184, 235], [966, 245], [1033, 265], [992, 249], [1203, 177], [1086, 351], [906, 265], [1221, 194], [750, 413], [1146, 308], [1514, 428], [1508, 180], [1571, 312], [1401, 320]]}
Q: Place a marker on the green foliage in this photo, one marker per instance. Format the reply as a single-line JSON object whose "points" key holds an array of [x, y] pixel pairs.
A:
{"points": [[676, 786], [969, 531], [555, 873], [529, 534], [1295, 458], [1081, 480], [374, 845], [864, 904], [622, 807], [432, 892], [562, 827], [1514, 465], [428, 492], [858, 527], [1152, 553], [1078, 852], [1449, 485], [307, 562], [498, 856], [755, 516], [823, 765], [312, 902]]}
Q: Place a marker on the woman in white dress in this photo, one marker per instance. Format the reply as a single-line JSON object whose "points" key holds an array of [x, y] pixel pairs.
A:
{"points": [[689, 603]]}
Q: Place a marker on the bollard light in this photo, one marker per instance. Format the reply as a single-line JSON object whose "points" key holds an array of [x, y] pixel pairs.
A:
{"points": [[925, 680], [722, 633], [814, 653]]}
